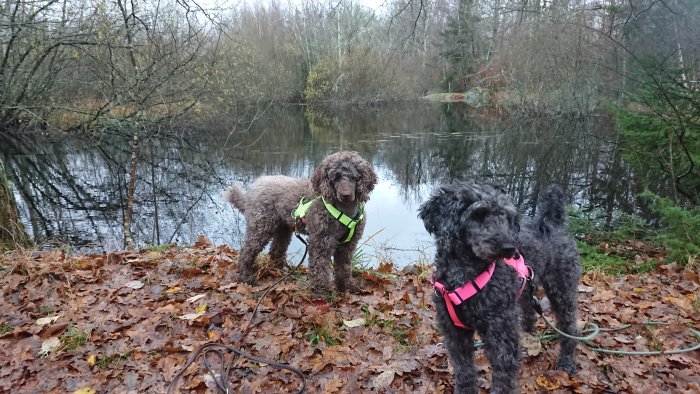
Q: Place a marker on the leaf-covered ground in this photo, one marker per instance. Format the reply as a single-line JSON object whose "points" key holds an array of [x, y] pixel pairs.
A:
{"points": [[127, 322]]}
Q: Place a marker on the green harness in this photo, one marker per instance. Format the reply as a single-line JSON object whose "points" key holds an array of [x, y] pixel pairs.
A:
{"points": [[300, 212]]}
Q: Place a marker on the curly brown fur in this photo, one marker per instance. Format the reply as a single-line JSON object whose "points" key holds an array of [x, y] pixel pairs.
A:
{"points": [[475, 224], [344, 179]]}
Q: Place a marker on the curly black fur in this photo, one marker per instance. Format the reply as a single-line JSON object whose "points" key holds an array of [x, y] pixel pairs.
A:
{"points": [[475, 224]]}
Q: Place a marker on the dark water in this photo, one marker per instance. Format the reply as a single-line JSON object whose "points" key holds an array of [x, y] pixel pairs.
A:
{"points": [[72, 188]]}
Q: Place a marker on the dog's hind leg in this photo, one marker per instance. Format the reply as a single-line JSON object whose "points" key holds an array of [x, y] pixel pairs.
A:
{"points": [[280, 242], [255, 242], [528, 312], [564, 300]]}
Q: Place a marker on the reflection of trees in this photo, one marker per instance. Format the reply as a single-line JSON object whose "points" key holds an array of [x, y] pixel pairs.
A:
{"points": [[524, 153], [74, 188]]}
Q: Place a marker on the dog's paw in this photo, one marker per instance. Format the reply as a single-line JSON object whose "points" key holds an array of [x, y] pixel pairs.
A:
{"points": [[356, 286], [568, 367], [279, 264], [249, 278], [323, 293]]}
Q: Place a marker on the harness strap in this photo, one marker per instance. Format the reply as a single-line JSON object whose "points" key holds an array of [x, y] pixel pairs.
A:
{"points": [[524, 271], [459, 295], [453, 313], [346, 220], [300, 212]]}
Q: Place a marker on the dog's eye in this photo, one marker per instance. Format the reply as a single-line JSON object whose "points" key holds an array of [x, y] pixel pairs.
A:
{"points": [[479, 213]]}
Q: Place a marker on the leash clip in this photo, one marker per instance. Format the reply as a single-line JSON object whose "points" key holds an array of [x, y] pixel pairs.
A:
{"points": [[438, 288]]}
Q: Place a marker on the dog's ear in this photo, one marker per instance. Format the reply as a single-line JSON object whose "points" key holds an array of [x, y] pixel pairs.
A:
{"points": [[452, 206], [446, 210], [477, 211], [320, 182], [432, 211], [368, 178]]}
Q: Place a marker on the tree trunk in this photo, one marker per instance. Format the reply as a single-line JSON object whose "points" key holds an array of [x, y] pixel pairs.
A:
{"points": [[12, 234], [128, 238]]}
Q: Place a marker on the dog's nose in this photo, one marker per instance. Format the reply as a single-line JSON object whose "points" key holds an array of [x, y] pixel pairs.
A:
{"points": [[507, 250], [346, 196]]}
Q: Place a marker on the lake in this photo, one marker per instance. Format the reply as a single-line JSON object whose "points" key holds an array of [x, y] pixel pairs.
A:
{"points": [[71, 189]]}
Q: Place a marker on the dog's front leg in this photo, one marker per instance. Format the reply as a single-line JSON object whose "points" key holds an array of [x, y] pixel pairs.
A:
{"points": [[320, 253], [502, 347], [342, 267], [460, 348]]}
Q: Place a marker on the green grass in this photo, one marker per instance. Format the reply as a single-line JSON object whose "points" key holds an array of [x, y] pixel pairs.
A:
{"points": [[402, 335], [104, 362], [73, 338], [5, 328], [594, 260], [45, 310], [158, 248], [360, 261], [318, 334], [590, 230]]}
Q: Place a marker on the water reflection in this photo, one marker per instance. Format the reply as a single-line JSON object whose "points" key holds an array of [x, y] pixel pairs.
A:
{"points": [[72, 188]]}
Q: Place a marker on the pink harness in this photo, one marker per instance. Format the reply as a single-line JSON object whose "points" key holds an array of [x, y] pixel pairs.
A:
{"points": [[459, 295]]}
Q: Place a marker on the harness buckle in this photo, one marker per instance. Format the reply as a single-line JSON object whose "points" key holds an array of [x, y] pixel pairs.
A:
{"points": [[438, 288]]}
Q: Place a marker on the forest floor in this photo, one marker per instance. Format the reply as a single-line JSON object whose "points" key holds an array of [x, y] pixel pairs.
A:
{"points": [[126, 322]]}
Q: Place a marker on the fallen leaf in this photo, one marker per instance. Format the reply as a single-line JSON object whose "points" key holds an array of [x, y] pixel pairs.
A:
{"points": [[548, 382], [531, 343], [49, 345], [603, 295], [375, 278], [623, 339], [385, 267], [172, 290], [196, 297], [202, 242], [681, 303], [48, 320], [692, 276], [334, 384], [134, 284], [585, 289], [360, 321], [191, 316], [85, 390], [383, 380], [91, 359]]}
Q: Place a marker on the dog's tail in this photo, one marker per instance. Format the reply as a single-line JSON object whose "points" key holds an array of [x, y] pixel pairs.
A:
{"points": [[236, 197], [552, 209]]}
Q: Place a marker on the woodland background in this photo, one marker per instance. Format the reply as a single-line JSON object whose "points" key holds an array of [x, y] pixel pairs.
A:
{"points": [[127, 320]]}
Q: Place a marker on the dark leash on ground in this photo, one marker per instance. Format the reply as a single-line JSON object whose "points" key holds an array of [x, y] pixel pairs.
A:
{"points": [[592, 331], [221, 372]]}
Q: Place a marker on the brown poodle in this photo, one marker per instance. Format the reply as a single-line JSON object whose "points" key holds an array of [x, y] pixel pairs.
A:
{"points": [[343, 180]]}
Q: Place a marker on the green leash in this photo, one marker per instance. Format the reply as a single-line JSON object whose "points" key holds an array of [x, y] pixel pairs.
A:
{"points": [[594, 331]]}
